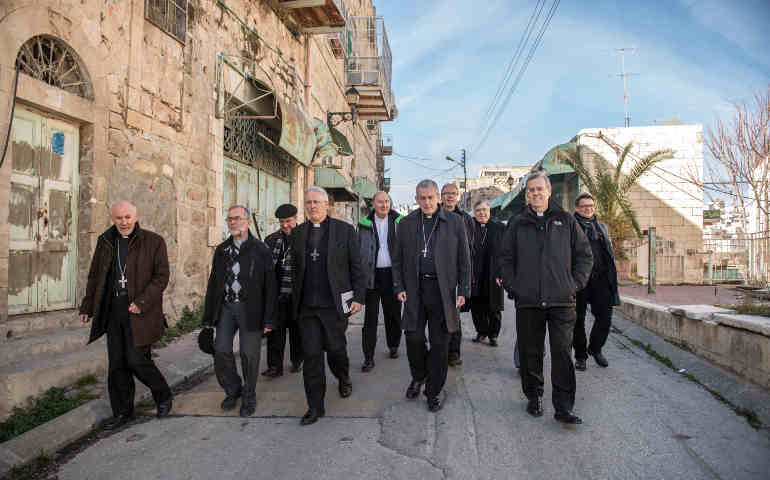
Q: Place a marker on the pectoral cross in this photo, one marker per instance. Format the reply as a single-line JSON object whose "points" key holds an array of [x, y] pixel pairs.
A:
{"points": [[315, 254], [425, 252], [122, 281]]}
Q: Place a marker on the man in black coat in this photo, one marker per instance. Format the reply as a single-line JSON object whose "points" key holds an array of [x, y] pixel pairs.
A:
{"points": [[377, 234], [602, 289], [545, 260], [431, 275], [329, 285], [450, 194], [279, 243], [486, 286], [240, 297]]}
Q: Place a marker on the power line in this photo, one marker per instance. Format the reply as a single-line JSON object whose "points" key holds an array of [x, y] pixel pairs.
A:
{"points": [[413, 160]]}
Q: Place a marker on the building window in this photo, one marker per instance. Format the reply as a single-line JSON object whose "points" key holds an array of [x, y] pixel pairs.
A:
{"points": [[169, 15], [50, 60]]}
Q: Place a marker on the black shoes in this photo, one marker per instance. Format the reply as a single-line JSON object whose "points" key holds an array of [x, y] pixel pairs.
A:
{"points": [[600, 359], [434, 404], [229, 402], [164, 408], [535, 406], [368, 365], [346, 389], [479, 338], [414, 389], [312, 416], [295, 367], [492, 342], [116, 422], [567, 417], [580, 364], [248, 408], [394, 352], [455, 361], [272, 372]]}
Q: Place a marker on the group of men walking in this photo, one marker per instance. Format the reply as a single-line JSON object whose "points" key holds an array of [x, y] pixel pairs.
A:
{"points": [[305, 281]]}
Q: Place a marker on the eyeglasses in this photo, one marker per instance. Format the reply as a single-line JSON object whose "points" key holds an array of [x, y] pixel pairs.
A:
{"points": [[536, 189], [589, 205], [235, 219], [449, 194]]}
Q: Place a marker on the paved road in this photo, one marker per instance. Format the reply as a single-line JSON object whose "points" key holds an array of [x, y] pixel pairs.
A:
{"points": [[642, 420]]}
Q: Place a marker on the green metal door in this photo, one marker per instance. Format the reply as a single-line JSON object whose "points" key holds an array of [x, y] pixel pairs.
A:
{"points": [[273, 192]]}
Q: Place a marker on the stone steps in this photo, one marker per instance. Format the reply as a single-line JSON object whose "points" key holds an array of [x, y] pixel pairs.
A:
{"points": [[35, 374], [32, 324], [28, 345]]}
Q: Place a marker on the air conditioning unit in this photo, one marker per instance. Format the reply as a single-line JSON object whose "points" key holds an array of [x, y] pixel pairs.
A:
{"points": [[371, 127]]}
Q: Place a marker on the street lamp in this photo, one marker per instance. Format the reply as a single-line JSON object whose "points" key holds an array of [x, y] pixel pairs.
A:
{"points": [[352, 97]]}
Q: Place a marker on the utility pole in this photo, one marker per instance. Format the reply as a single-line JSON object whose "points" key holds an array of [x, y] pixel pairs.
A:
{"points": [[465, 175], [624, 75]]}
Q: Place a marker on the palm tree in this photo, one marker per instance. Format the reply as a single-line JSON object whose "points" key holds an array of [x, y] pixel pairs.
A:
{"points": [[610, 189]]}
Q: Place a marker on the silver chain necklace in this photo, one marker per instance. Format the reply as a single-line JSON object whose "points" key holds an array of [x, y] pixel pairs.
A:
{"points": [[122, 269], [424, 241]]}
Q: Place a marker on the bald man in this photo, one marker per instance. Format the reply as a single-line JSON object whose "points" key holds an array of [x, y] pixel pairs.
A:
{"points": [[124, 297]]}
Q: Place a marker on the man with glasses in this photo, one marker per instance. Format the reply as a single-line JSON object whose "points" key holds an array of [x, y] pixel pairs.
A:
{"points": [[544, 261], [602, 289], [240, 297]]}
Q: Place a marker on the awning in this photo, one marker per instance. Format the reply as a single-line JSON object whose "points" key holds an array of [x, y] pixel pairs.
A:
{"points": [[364, 187], [330, 142], [343, 146], [334, 183], [297, 135]]}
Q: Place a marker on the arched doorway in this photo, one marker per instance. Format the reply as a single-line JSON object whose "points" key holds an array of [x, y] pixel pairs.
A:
{"points": [[42, 212]]}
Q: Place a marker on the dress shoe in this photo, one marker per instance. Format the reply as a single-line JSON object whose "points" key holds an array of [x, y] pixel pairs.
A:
{"points": [[346, 389], [368, 365], [492, 342], [535, 407], [455, 361], [394, 353], [414, 389], [434, 404], [479, 338], [312, 416], [272, 372], [164, 408], [229, 402], [567, 417], [600, 360], [295, 367], [116, 422], [580, 364], [247, 409]]}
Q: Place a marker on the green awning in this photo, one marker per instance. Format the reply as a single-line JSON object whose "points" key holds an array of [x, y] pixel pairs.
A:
{"points": [[330, 142], [364, 187], [343, 146], [331, 180]]}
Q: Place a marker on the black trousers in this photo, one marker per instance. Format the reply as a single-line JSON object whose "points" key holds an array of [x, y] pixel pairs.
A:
{"points": [[322, 330], [391, 313], [598, 295], [424, 362], [486, 321], [530, 325], [125, 361], [276, 340], [234, 318], [455, 340]]}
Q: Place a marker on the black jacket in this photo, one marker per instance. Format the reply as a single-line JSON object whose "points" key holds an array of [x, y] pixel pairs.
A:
{"points": [[492, 294], [612, 271], [257, 278], [548, 274], [343, 263], [453, 266], [370, 242]]}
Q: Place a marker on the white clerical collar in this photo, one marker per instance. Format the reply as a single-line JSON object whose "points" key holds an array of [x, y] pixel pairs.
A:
{"points": [[540, 214], [316, 225]]}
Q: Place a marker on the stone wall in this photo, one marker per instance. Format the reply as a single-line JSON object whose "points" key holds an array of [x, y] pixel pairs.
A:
{"points": [[150, 134]]}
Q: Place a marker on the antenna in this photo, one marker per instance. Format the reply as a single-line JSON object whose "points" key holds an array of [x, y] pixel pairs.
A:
{"points": [[624, 75]]}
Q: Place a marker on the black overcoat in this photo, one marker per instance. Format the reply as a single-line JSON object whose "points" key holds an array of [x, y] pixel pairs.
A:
{"points": [[453, 266], [494, 293]]}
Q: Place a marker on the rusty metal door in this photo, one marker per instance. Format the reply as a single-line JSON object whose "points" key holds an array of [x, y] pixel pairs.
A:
{"points": [[240, 188], [42, 214], [273, 192]]}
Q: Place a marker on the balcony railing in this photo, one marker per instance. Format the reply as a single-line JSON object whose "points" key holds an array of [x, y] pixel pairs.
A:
{"points": [[368, 66], [315, 16]]}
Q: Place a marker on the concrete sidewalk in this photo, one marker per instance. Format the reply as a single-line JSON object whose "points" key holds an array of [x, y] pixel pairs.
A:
{"points": [[684, 294]]}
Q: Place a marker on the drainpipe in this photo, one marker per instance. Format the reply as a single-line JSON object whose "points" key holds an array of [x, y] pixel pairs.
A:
{"points": [[307, 72]]}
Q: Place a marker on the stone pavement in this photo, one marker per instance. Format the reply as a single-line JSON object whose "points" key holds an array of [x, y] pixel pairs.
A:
{"points": [[642, 420], [684, 294]]}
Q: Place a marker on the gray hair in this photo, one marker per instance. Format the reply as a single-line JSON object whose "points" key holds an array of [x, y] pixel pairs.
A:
{"points": [[451, 184], [383, 192], [425, 184], [245, 210], [480, 202], [121, 203], [316, 188], [539, 174]]}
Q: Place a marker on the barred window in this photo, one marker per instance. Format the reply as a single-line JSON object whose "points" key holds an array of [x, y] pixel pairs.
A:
{"points": [[169, 15]]}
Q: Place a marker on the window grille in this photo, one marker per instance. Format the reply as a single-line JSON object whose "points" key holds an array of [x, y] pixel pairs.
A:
{"points": [[169, 15]]}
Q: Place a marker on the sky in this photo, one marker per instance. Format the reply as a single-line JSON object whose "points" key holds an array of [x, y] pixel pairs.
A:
{"points": [[693, 59]]}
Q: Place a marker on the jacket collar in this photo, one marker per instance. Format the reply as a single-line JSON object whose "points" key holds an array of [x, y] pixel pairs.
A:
{"points": [[112, 233], [246, 243]]}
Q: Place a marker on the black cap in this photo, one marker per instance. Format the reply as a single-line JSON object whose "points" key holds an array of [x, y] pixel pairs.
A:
{"points": [[285, 211], [206, 341]]}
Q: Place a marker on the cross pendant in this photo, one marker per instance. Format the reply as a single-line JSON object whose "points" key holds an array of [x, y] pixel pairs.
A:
{"points": [[122, 281], [425, 252], [315, 254]]}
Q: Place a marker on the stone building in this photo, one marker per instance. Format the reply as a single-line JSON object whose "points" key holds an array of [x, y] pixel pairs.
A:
{"points": [[183, 107]]}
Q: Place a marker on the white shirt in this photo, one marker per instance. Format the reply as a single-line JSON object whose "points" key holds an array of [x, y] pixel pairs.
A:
{"points": [[383, 255]]}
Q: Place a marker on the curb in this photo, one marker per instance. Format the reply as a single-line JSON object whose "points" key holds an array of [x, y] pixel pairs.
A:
{"points": [[178, 361]]}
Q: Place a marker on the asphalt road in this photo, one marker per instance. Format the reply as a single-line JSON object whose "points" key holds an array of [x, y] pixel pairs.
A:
{"points": [[642, 420]]}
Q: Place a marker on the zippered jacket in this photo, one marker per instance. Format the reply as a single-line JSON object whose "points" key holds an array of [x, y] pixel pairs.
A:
{"points": [[370, 242]]}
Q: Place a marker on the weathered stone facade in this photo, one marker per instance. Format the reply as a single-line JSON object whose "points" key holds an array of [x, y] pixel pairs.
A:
{"points": [[151, 133]]}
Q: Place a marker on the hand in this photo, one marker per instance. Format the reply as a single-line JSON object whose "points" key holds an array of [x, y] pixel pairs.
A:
{"points": [[134, 309], [84, 318], [355, 307], [401, 297], [268, 330], [460, 301], [499, 282]]}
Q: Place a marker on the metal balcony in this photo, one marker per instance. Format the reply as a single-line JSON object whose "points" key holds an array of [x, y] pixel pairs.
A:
{"points": [[386, 144], [315, 16], [368, 66]]}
